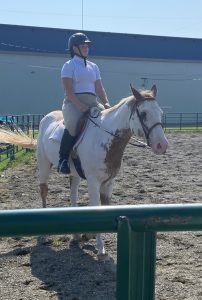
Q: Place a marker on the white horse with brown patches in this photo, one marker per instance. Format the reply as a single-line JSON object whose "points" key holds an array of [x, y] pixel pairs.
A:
{"points": [[101, 147]]}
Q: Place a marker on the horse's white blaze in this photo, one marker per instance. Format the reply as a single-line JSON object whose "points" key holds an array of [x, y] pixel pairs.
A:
{"points": [[99, 151]]}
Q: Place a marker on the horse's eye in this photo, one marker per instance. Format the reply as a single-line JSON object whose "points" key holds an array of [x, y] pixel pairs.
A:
{"points": [[143, 115]]}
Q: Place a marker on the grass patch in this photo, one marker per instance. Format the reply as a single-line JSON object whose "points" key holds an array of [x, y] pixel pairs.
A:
{"points": [[184, 130], [22, 157]]}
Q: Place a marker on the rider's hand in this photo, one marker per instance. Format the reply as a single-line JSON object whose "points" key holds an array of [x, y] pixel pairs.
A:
{"points": [[106, 105]]}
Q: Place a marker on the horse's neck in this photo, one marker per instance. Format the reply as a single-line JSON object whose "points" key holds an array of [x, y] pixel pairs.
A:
{"points": [[119, 125], [117, 119]]}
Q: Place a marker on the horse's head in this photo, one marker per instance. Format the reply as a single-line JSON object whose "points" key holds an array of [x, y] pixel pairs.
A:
{"points": [[145, 119]]}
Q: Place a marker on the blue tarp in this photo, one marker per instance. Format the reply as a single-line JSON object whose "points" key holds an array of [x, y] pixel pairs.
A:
{"points": [[7, 119]]}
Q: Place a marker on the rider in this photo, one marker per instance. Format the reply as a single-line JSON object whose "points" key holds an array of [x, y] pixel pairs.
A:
{"points": [[82, 85]]}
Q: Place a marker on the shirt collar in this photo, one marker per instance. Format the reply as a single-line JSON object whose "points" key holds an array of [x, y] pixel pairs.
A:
{"points": [[77, 58]]}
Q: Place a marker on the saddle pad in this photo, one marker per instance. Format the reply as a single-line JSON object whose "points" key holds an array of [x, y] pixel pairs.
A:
{"points": [[57, 132]]}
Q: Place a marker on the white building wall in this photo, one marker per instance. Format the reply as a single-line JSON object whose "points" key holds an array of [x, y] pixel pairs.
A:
{"points": [[30, 83]]}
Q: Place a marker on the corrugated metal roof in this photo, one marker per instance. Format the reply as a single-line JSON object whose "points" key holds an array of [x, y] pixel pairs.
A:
{"points": [[52, 40]]}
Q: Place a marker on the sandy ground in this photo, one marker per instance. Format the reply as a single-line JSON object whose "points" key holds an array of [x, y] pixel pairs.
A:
{"points": [[54, 267]]}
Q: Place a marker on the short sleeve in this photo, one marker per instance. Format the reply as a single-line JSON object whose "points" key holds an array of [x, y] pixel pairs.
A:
{"points": [[67, 70], [97, 72]]}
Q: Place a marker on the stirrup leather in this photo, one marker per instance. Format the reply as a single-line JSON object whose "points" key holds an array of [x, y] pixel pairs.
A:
{"points": [[63, 167]]}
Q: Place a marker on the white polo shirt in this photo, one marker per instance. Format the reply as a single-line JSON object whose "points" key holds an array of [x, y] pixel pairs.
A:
{"points": [[84, 77]]}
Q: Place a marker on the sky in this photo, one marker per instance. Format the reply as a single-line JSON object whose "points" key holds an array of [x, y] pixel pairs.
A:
{"points": [[179, 18]]}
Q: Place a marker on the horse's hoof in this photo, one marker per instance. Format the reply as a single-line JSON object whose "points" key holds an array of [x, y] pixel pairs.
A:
{"points": [[103, 257]]}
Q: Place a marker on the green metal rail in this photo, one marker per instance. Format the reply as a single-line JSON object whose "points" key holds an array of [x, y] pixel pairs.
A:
{"points": [[136, 227]]}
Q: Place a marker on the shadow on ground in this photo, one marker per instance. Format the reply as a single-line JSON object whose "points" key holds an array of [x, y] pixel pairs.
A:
{"points": [[72, 272]]}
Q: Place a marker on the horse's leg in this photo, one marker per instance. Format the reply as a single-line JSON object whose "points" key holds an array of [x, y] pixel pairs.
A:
{"points": [[93, 191], [44, 171], [74, 185], [43, 193], [106, 192], [94, 195], [105, 198]]}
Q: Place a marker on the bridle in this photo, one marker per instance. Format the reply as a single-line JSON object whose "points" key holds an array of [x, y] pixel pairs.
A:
{"points": [[145, 128], [140, 144]]}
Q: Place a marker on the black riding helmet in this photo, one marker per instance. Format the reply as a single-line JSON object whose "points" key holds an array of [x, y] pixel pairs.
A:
{"points": [[77, 39]]}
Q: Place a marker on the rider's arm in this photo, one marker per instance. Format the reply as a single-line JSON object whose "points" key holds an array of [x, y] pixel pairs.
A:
{"points": [[100, 92], [68, 84]]}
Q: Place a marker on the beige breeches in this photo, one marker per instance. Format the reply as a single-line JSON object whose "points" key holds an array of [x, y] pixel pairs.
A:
{"points": [[72, 114]]}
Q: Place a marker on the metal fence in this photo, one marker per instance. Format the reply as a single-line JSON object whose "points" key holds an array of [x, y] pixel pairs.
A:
{"points": [[136, 227], [27, 123], [182, 120], [30, 125]]}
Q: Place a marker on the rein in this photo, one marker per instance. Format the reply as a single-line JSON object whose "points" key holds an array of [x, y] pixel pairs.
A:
{"points": [[146, 130], [141, 144]]}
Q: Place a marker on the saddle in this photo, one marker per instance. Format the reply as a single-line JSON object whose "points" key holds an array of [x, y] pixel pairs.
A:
{"points": [[57, 134], [93, 112], [58, 130]]}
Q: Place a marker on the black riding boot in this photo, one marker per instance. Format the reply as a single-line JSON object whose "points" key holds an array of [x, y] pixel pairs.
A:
{"points": [[66, 145]]}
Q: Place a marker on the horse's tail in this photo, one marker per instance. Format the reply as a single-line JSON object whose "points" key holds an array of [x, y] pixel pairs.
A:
{"points": [[17, 137]]}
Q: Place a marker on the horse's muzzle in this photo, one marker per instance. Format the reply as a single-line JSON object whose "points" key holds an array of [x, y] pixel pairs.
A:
{"points": [[160, 147]]}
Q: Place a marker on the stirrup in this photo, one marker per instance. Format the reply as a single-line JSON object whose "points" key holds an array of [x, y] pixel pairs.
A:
{"points": [[63, 167]]}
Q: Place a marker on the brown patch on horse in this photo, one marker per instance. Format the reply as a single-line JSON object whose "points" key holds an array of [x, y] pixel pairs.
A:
{"points": [[114, 152], [43, 192]]}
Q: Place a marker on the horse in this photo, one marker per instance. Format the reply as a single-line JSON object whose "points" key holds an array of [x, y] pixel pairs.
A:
{"points": [[100, 147]]}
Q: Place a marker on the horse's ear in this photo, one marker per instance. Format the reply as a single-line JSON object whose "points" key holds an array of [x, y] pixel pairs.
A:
{"points": [[154, 90], [136, 94]]}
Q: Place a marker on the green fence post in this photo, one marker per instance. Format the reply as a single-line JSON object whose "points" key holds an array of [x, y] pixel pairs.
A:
{"points": [[123, 260], [137, 265], [149, 265], [136, 253]]}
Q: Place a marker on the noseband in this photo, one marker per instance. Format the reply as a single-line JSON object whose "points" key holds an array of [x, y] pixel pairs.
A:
{"points": [[145, 128]]}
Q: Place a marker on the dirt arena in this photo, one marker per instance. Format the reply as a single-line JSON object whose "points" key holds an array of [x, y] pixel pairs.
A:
{"points": [[54, 267]]}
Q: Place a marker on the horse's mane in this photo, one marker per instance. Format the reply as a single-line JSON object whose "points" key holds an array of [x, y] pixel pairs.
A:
{"points": [[144, 93], [120, 103]]}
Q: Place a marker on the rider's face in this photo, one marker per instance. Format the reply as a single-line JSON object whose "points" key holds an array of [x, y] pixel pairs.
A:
{"points": [[84, 49]]}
